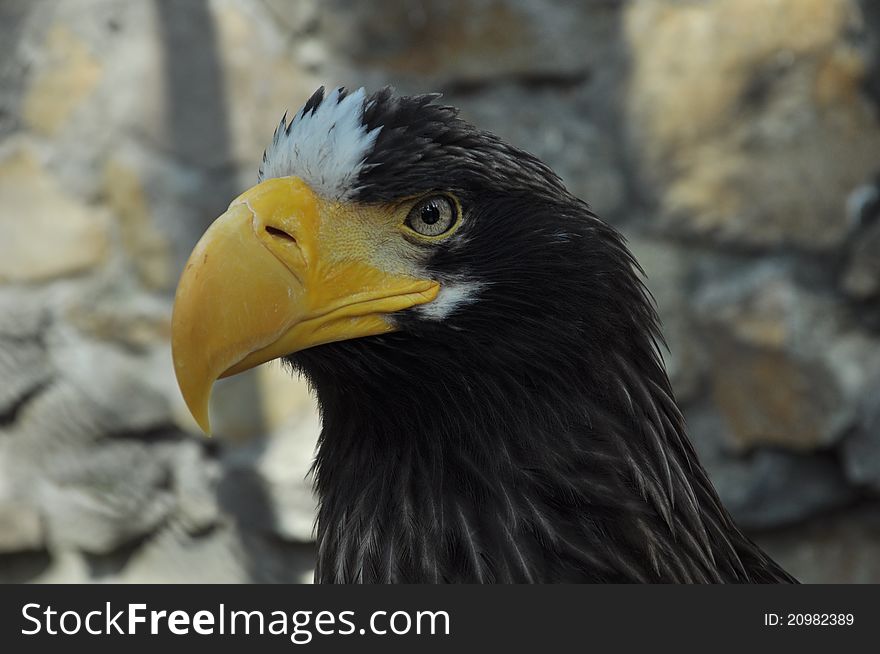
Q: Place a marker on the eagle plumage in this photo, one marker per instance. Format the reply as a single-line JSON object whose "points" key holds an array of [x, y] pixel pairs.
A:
{"points": [[526, 430]]}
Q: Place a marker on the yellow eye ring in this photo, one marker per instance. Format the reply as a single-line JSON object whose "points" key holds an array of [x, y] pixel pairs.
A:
{"points": [[433, 218]]}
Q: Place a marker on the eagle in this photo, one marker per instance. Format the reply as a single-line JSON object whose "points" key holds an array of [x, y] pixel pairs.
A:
{"points": [[486, 358]]}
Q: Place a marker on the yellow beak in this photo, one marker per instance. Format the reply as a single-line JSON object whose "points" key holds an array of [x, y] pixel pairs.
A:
{"points": [[279, 272]]}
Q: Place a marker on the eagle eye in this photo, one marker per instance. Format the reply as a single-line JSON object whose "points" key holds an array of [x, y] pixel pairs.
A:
{"points": [[433, 216]]}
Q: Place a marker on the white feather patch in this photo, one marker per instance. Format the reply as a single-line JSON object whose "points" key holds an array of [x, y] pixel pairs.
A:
{"points": [[326, 148], [450, 297]]}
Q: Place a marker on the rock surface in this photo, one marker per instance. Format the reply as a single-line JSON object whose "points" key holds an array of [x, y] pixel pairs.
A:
{"points": [[862, 277], [735, 142], [789, 363], [46, 232], [749, 119], [861, 449]]}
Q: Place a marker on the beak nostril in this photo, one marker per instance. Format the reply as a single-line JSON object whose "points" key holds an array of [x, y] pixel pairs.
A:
{"points": [[279, 233]]}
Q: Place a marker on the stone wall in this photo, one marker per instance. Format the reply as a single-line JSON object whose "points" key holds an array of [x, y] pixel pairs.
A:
{"points": [[735, 142]]}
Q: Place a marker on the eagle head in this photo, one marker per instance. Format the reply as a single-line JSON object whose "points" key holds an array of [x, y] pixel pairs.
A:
{"points": [[483, 351], [392, 218]]}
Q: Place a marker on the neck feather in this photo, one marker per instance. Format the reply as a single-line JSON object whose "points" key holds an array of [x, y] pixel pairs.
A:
{"points": [[528, 474]]}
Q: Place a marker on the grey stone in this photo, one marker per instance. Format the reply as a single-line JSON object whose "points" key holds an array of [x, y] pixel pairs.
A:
{"points": [[667, 271], [838, 548], [788, 364], [43, 247], [194, 482], [470, 40], [861, 448], [174, 555], [765, 487], [21, 529], [774, 488], [120, 387], [101, 499], [759, 143], [861, 280], [285, 467], [13, 15], [24, 366], [268, 483], [57, 418]]}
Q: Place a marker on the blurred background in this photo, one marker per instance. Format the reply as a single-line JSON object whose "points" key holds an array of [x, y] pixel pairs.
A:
{"points": [[735, 142]]}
